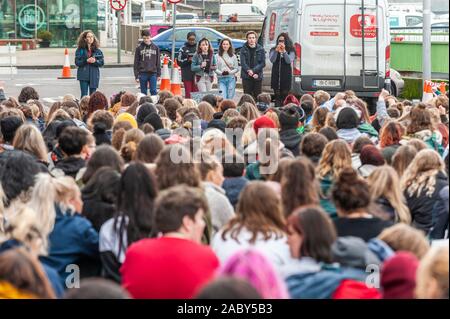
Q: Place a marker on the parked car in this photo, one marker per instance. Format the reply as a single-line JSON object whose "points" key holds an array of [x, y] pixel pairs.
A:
{"points": [[164, 39], [187, 18], [247, 12]]}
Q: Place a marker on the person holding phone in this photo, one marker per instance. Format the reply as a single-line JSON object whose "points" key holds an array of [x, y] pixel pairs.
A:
{"points": [[185, 56], [89, 59], [204, 64], [227, 68], [282, 56], [147, 64]]}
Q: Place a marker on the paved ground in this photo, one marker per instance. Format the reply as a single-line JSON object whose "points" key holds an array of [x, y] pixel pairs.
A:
{"points": [[54, 58], [52, 89]]}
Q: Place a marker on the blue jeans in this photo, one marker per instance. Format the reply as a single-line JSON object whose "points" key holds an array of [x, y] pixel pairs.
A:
{"points": [[86, 89], [227, 85], [145, 79]]}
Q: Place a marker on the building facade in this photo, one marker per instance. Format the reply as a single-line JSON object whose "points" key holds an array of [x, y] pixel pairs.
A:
{"points": [[65, 19]]}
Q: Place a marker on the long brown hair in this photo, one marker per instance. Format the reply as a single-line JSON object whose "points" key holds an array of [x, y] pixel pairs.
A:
{"points": [[299, 186], [170, 173], [199, 49], [420, 119], [24, 272], [82, 44], [335, 157], [259, 211], [230, 50]]}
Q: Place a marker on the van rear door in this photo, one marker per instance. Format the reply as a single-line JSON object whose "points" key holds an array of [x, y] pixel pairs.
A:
{"points": [[322, 40], [365, 45]]}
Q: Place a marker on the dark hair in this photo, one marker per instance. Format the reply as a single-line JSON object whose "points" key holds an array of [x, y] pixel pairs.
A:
{"points": [[104, 155], [116, 98], [227, 104], [97, 101], [360, 142], [210, 49], [329, 133], [24, 271], [28, 93], [190, 34], [211, 99], [312, 146], [308, 106], [104, 117], [138, 190], [17, 174], [287, 41], [350, 192], [82, 44], [72, 140], [145, 33], [163, 96], [370, 154], [145, 99], [97, 288], [299, 186], [230, 50], [173, 204], [100, 195], [233, 166], [149, 148], [228, 288], [172, 105], [9, 126], [317, 231]]}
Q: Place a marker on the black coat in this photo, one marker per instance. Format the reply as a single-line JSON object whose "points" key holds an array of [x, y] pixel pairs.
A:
{"points": [[257, 63], [421, 207], [185, 60], [291, 140], [281, 70], [441, 216]]}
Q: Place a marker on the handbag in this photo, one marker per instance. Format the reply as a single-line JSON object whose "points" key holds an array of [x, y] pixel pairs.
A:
{"points": [[228, 66]]}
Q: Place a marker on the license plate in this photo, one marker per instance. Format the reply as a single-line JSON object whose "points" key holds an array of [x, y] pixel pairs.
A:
{"points": [[327, 83]]}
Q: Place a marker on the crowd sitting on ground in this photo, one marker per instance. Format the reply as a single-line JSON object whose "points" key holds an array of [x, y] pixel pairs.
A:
{"points": [[95, 206]]}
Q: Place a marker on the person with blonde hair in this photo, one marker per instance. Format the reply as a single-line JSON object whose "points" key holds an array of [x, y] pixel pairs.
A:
{"points": [[130, 143], [24, 230], [73, 239], [206, 111], [30, 140], [249, 111], [385, 190], [335, 157], [422, 182], [432, 275], [402, 237]]}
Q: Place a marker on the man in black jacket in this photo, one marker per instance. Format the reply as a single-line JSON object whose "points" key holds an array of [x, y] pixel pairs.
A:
{"points": [[253, 61], [147, 64], [185, 60]]}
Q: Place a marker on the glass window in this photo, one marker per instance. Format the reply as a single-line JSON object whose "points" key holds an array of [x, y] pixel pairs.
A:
{"points": [[180, 35], [412, 21], [211, 36]]}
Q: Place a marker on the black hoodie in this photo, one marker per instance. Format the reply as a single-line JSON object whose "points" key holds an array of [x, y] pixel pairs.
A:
{"points": [[147, 59]]}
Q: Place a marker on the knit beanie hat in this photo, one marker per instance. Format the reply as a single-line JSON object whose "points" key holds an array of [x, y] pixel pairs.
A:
{"points": [[219, 124], [289, 117], [127, 117], [263, 122], [398, 276], [347, 118], [262, 107], [143, 111], [154, 120], [9, 126]]}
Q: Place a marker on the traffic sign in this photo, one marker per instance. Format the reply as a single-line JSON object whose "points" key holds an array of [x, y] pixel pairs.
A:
{"points": [[118, 5], [175, 1]]}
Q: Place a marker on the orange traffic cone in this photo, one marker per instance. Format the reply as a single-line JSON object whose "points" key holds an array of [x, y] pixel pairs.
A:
{"points": [[165, 76], [427, 92], [443, 88], [175, 87], [66, 71]]}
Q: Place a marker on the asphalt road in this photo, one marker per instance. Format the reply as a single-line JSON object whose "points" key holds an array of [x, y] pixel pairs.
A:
{"points": [[52, 89]]}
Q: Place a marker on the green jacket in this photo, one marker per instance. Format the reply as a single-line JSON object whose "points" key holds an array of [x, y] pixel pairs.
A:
{"points": [[325, 197], [252, 172], [368, 129]]}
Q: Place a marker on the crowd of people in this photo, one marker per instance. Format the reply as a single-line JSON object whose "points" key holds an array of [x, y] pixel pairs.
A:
{"points": [[95, 206]]}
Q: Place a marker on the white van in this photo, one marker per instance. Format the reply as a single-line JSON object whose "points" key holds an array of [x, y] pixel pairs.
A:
{"points": [[333, 50], [247, 12]]}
